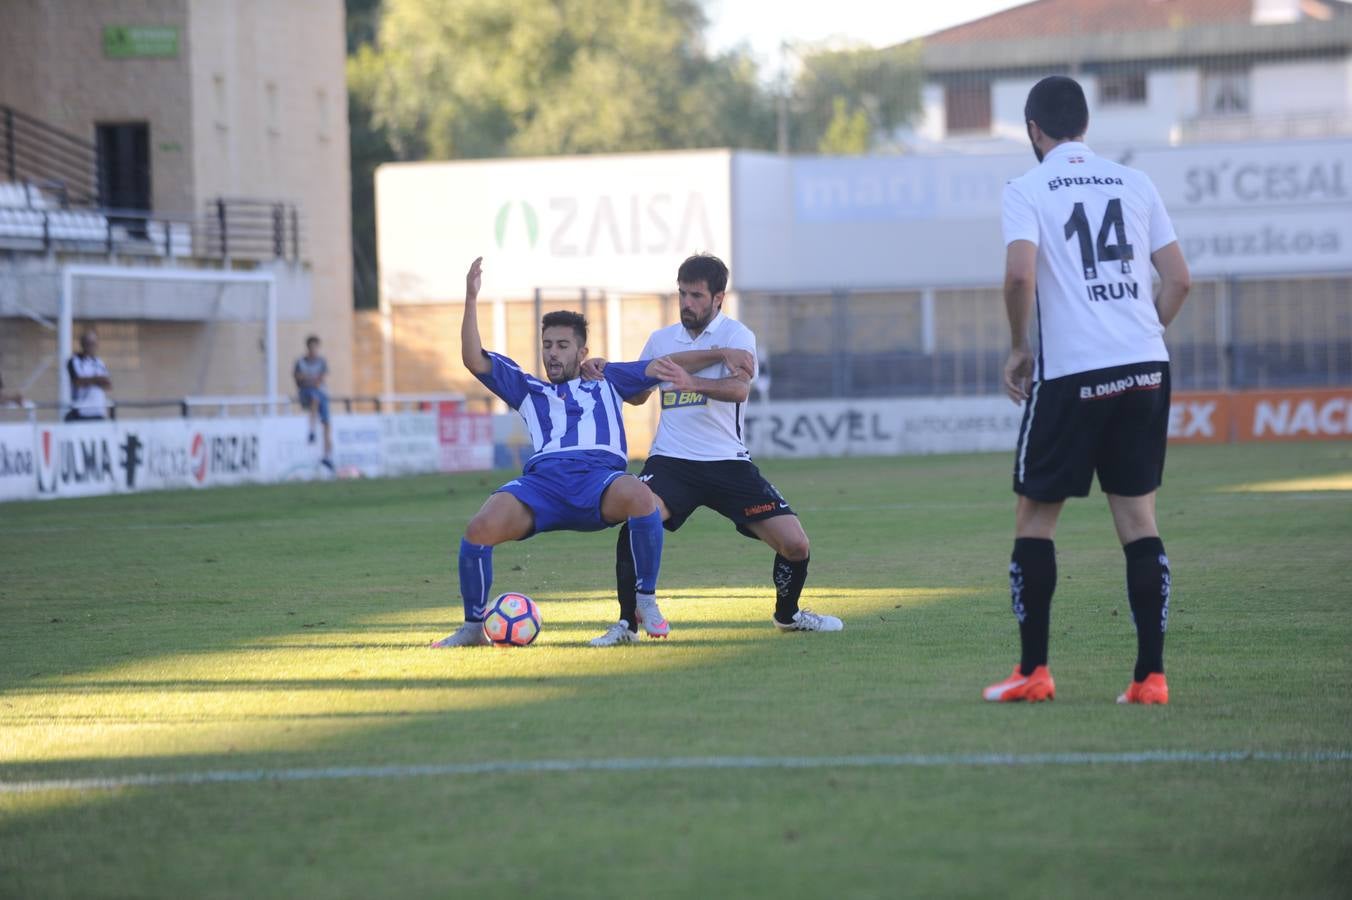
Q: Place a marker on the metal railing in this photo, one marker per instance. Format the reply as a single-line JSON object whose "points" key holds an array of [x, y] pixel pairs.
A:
{"points": [[231, 229], [251, 229], [33, 151]]}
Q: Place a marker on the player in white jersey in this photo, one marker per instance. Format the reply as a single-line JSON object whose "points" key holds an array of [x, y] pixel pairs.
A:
{"points": [[699, 457], [575, 480], [89, 381], [1080, 233]]}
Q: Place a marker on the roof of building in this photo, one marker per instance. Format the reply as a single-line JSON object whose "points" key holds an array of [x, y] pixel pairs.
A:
{"points": [[1055, 18]]}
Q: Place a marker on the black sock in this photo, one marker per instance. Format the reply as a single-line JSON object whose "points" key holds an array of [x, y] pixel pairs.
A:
{"points": [[789, 577], [1148, 593], [1032, 581], [626, 579]]}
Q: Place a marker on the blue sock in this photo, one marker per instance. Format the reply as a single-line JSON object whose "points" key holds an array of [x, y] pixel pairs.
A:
{"points": [[645, 536], [476, 578]]}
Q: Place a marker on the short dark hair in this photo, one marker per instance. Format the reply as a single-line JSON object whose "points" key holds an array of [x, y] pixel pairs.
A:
{"points": [[312, 339], [569, 319], [707, 268], [1057, 105]]}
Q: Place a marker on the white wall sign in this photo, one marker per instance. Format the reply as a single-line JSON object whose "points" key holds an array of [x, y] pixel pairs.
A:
{"points": [[89, 459], [18, 465], [621, 222], [812, 428], [814, 224]]}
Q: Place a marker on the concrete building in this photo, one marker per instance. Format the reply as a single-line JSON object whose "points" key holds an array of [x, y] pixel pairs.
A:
{"points": [[1156, 72], [222, 129]]}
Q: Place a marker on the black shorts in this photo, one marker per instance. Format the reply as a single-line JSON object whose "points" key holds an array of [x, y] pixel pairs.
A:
{"points": [[733, 488], [1114, 421]]}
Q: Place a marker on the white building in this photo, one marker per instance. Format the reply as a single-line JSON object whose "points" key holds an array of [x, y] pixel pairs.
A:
{"points": [[1154, 71]]}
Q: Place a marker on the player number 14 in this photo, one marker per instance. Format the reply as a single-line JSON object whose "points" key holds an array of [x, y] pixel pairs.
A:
{"points": [[1112, 227]]}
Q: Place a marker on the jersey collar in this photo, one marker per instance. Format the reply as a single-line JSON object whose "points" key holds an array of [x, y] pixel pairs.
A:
{"points": [[684, 335], [1070, 148]]}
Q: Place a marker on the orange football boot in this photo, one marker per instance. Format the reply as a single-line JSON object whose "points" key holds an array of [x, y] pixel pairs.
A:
{"points": [[1033, 688], [1154, 689]]}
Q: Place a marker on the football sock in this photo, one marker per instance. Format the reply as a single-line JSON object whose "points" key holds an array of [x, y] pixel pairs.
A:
{"points": [[476, 578], [1032, 581], [1148, 593], [645, 539], [626, 580], [789, 576]]}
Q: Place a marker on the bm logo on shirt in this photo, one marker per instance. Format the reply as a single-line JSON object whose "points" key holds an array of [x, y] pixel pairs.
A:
{"points": [[674, 399]]}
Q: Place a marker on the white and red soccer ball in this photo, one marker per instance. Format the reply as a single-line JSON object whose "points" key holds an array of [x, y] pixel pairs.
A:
{"points": [[513, 620]]}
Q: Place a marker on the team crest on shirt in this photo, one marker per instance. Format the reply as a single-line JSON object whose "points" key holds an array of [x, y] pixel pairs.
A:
{"points": [[677, 399]]}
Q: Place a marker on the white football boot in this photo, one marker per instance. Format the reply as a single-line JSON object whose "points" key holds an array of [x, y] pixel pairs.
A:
{"points": [[807, 620], [471, 634], [650, 617], [615, 635]]}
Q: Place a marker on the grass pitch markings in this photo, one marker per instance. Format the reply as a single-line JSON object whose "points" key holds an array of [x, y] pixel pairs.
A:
{"points": [[685, 763]]}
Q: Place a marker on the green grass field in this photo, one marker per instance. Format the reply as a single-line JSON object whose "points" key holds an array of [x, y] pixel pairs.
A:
{"points": [[282, 628]]}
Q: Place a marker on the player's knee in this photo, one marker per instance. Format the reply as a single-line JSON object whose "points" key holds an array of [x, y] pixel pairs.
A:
{"points": [[480, 531], [795, 547], [634, 498]]}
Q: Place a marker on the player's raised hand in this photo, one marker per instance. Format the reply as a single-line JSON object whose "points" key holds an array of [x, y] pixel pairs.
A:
{"points": [[592, 367], [739, 362], [1018, 374], [670, 372], [474, 279]]}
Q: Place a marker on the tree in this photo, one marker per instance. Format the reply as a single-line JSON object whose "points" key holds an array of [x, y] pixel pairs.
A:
{"points": [[848, 132], [837, 90], [453, 79]]}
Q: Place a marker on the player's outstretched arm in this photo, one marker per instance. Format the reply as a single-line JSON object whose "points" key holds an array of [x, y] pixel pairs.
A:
{"points": [[1175, 281], [471, 347], [593, 369]]}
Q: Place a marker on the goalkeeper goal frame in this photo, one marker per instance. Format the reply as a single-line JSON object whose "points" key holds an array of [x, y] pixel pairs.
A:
{"points": [[66, 302]]}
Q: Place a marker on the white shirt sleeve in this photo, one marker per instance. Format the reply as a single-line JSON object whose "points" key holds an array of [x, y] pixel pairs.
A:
{"points": [[744, 339], [1018, 217], [1161, 227]]}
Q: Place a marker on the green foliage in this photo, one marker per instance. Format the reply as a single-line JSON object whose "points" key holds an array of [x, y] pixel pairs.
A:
{"points": [[481, 78], [848, 132], [883, 85]]}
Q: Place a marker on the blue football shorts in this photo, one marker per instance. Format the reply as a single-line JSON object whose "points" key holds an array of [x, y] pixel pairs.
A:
{"points": [[564, 492]]}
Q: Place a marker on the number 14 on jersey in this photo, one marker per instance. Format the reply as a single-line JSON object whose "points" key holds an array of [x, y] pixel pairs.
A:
{"points": [[1093, 251]]}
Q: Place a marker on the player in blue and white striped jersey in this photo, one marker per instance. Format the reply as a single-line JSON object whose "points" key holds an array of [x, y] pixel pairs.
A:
{"points": [[575, 480]]}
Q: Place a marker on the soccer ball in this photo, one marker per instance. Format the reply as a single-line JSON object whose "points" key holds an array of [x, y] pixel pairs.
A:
{"points": [[513, 620]]}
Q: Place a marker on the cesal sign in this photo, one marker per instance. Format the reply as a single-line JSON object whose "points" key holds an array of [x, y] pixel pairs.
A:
{"points": [[822, 223]]}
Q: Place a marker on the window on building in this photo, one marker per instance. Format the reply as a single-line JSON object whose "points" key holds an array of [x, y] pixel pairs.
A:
{"points": [[124, 170], [1225, 92], [1121, 89], [967, 107]]}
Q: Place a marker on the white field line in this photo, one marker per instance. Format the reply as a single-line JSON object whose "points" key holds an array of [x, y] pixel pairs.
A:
{"points": [[666, 764], [439, 521]]}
